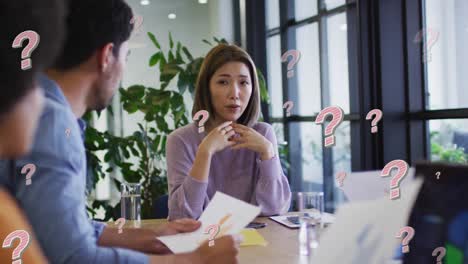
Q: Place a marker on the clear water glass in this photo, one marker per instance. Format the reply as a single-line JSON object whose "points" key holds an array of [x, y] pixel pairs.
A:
{"points": [[130, 202], [310, 207]]}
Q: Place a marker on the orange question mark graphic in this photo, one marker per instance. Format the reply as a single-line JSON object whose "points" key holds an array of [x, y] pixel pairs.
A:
{"points": [[402, 168], [30, 169], [337, 118], [409, 235], [213, 231], [120, 223], [24, 238], [34, 39], [201, 123]]}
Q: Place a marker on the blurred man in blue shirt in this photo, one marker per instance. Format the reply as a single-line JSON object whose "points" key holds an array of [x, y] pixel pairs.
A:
{"points": [[86, 76], [22, 100]]}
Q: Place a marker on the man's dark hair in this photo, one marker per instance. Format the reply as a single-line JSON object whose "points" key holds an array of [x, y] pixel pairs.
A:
{"points": [[46, 18], [91, 24]]}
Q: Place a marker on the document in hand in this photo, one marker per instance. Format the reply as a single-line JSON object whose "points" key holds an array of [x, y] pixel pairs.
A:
{"points": [[231, 214]]}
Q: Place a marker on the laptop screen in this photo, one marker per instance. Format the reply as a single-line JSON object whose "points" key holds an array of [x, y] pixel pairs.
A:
{"points": [[440, 215]]}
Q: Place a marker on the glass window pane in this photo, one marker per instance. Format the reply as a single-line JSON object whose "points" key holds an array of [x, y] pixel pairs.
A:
{"points": [[449, 140], [311, 143], [279, 131], [341, 158], [272, 14], [330, 4], [308, 71], [305, 9], [338, 61], [274, 75], [447, 55]]}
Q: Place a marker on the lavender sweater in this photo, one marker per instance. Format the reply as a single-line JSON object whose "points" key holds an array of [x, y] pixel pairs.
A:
{"points": [[238, 173]]}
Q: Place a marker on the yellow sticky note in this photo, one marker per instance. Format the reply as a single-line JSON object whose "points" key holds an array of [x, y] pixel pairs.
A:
{"points": [[252, 238]]}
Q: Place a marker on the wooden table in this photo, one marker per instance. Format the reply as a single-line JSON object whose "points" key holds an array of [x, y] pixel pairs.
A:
{"points": [[282, 248]]}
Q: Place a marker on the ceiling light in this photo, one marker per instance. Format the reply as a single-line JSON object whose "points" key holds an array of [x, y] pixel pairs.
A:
{"points": [[144, 2], [202, 1], [172, 16]]}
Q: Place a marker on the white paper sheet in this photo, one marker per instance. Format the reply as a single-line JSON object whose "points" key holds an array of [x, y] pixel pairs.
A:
{"points": [[236, 215]]}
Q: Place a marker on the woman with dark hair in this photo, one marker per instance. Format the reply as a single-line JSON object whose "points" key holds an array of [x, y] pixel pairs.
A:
{"points": [[21, 101], [236, 155]]}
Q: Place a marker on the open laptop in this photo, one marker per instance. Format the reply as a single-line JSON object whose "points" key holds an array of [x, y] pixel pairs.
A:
{"points": [[440, 215]]}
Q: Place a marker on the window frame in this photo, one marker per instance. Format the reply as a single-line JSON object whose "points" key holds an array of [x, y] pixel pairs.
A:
{"points": [[386, 71]]}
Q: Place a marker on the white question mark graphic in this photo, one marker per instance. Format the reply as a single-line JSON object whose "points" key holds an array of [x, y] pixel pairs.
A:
{"points": [[24, 238], [34, 39], [201, 123], [32, 169], [340, 176], [409, 235], [137, 20], [438, 174], [288, 105], [296, 55], [67, 131], [442, 252], [120, 223], [427, 45], [378, 115], [337, 118], [402, 168], [213, 231]]}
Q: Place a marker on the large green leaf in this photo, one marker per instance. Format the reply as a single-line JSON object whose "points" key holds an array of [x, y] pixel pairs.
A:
{"points": [[171, 41], [153, 39], [155, 59], [264, 96], [207, 42], [187, 53]]}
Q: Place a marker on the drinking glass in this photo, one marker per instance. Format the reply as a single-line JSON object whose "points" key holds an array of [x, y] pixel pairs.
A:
{"points": [[310, 206], [131, 201]]}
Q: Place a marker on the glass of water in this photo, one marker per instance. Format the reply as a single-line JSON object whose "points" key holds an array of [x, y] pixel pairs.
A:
{"points": [[130, 202], [310, 206]]}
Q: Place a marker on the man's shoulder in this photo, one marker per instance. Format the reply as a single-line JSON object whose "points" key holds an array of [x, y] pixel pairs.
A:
{"points": [[57, 130], [55, 116]]}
